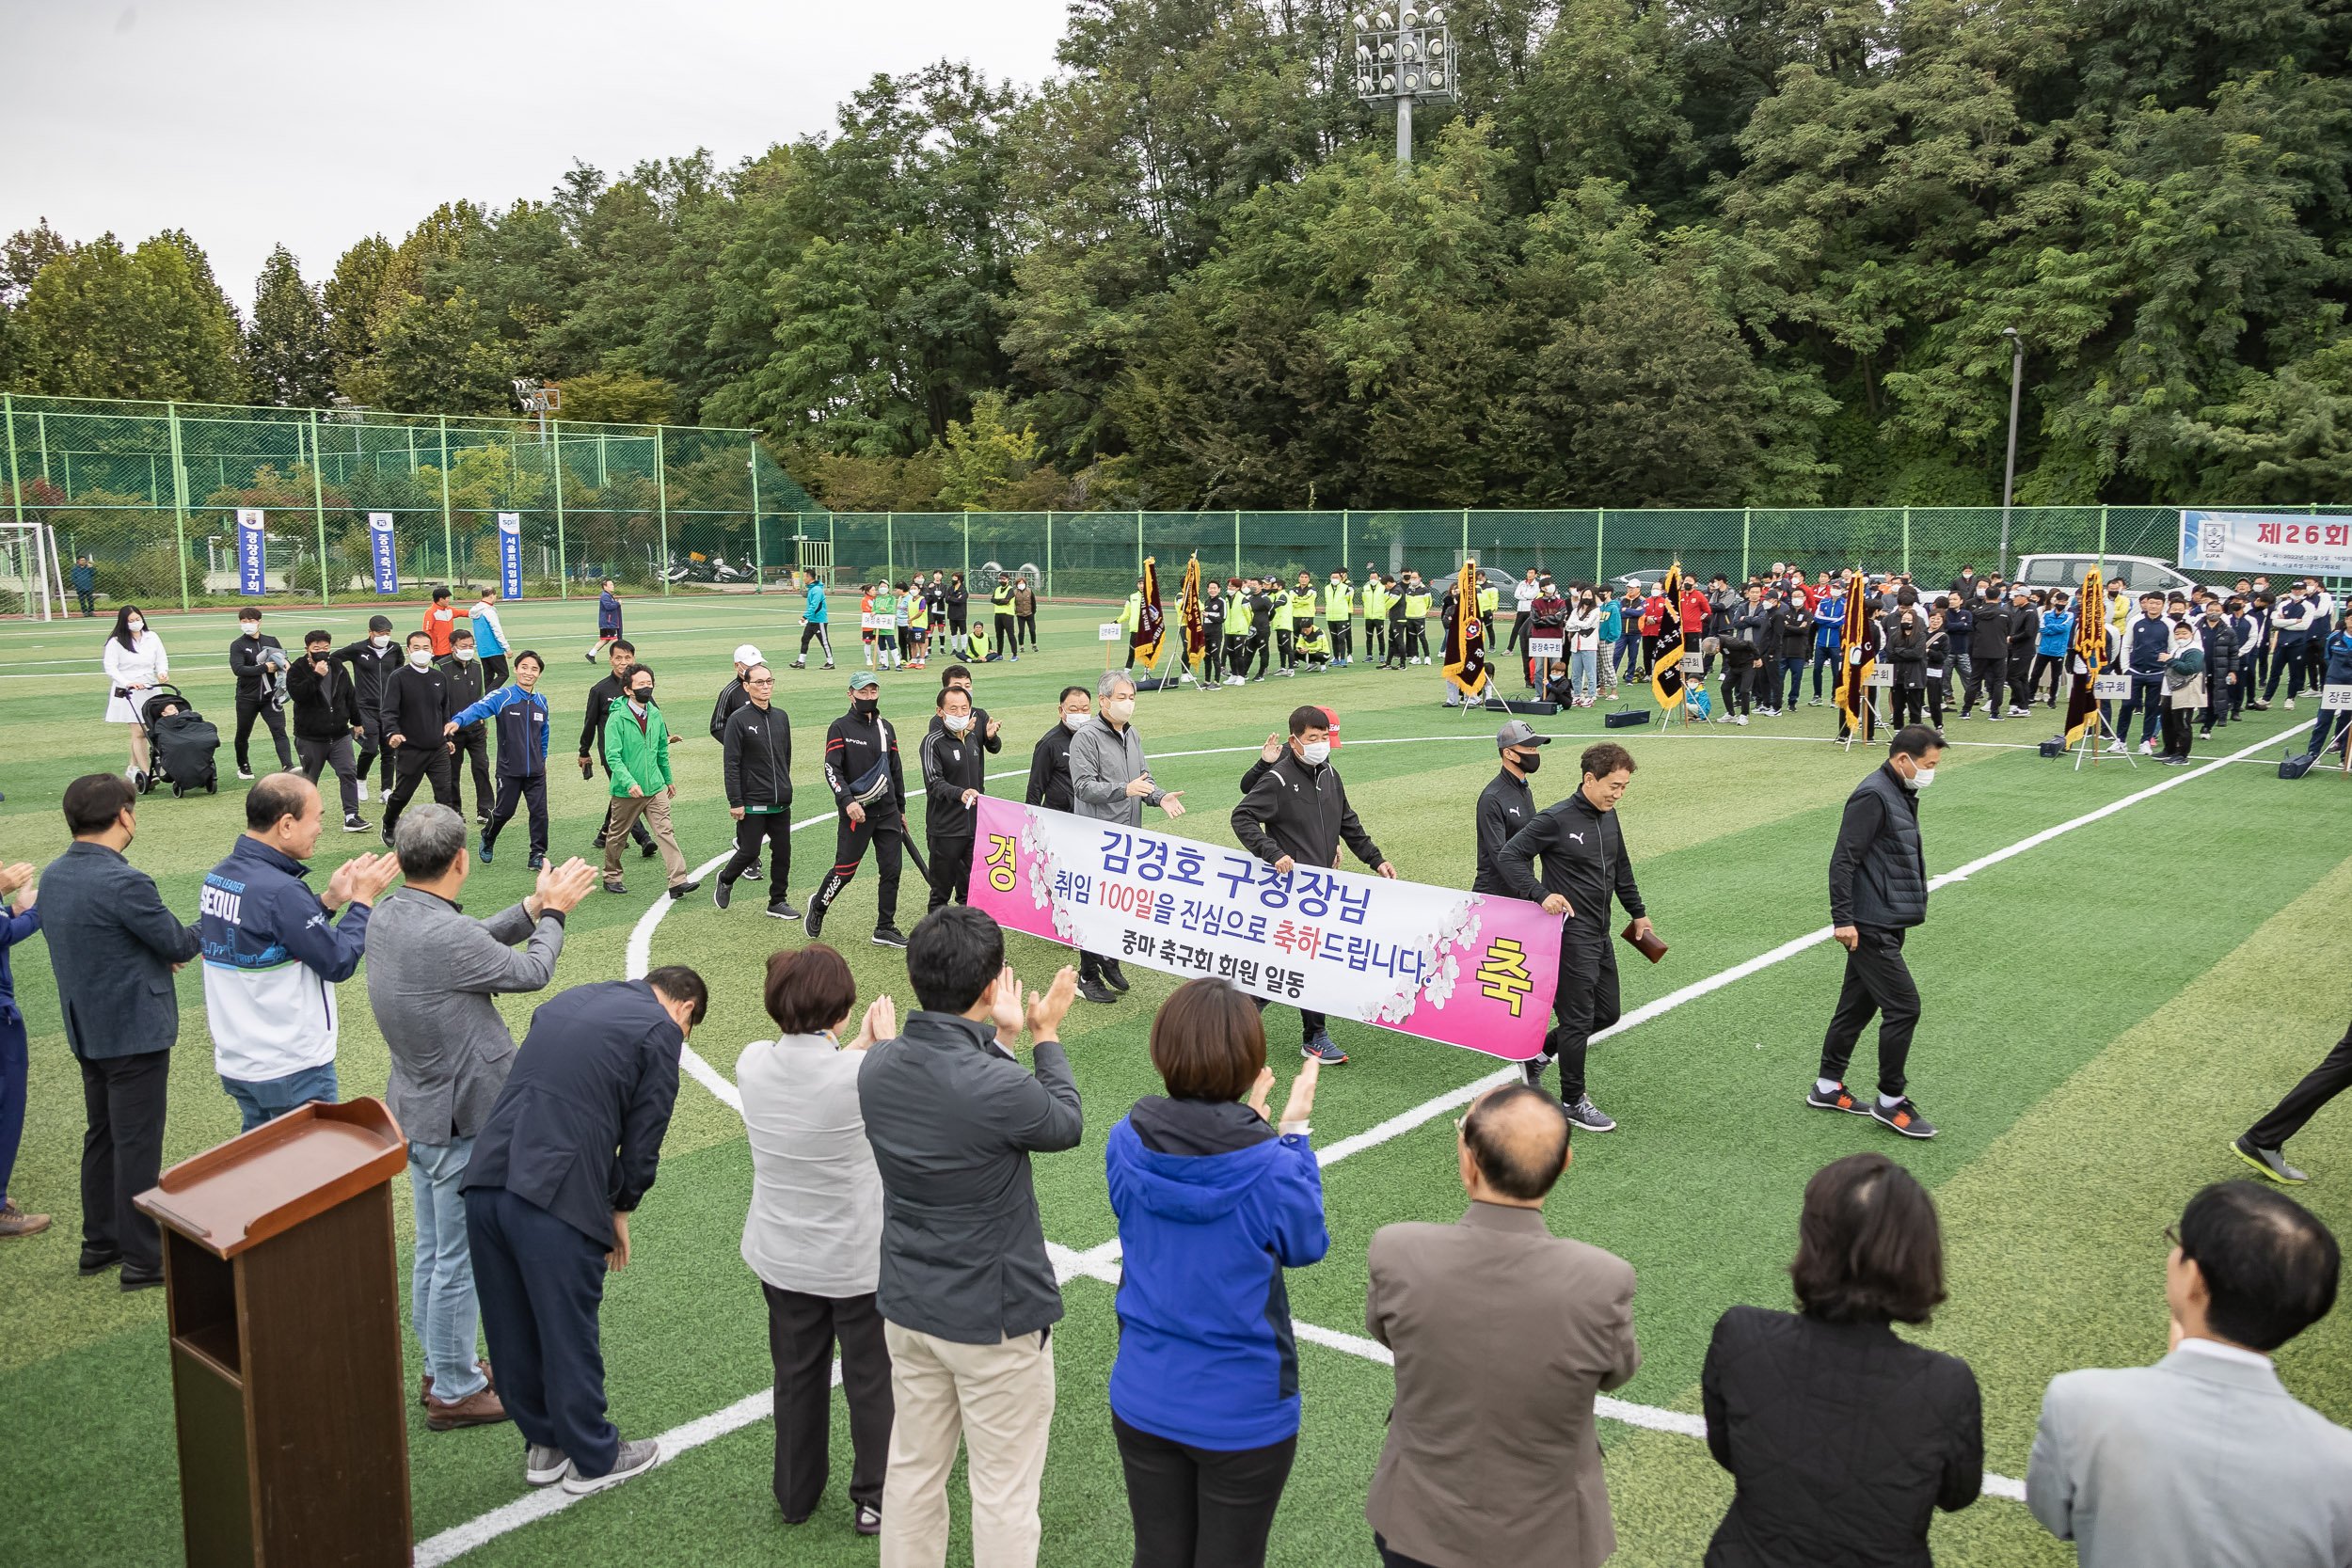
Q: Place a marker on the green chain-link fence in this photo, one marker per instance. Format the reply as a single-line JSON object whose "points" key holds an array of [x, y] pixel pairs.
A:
{"points": [[143, 497]]}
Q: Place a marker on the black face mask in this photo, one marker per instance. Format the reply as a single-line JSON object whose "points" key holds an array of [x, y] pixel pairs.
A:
{"points": [[642, 696], [866, 704], [1529, 762]]}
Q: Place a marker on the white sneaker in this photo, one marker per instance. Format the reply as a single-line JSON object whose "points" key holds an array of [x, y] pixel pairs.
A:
{"points": [[1741, 720], [2147, 748], [2290, 705], [634, 1459], [363, 790], [2116, 748]]}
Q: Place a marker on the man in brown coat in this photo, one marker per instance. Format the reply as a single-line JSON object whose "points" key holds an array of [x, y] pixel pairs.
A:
{"points": [[1503, 1334]]}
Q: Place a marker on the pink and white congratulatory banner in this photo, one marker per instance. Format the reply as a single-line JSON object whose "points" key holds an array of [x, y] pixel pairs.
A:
{"points": [[1465, 968]]}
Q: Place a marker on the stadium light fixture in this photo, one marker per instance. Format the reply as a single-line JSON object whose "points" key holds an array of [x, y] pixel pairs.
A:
{"points": [[1400, 59]]}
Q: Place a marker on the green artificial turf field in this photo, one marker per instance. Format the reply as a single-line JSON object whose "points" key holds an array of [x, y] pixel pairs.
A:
{"points": [[2106, 1008]]}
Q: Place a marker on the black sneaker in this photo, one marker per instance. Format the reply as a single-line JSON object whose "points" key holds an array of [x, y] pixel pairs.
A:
{"points": [[648, 851], [245, 773], [1586, 1116], [1903, 1117], [751, 874], [356, 823], [816, 917], [684, 888], [1112, 974], [780, 910], [868, 1517], [616, 887], [1532, 1071], [1839, 1099], [889, 936], [487, 847], [538, 862], [720, 889], [2271, 1163], [1094, 990], [1322, 1048]]}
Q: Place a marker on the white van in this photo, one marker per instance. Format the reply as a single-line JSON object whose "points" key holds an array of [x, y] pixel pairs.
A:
{"points": [[2138, 573]]}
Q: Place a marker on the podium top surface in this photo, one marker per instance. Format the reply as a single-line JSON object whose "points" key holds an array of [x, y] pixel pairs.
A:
{"points": [[270, 1180]]}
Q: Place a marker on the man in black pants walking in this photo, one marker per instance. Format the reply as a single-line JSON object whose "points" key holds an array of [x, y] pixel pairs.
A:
{"points": [[255, 696], [1878, 889], [2262, 1145], [372, 661], [1581, 841], [757, 769], [953, 775], [601, 697], [417, 703], [870, 786]]}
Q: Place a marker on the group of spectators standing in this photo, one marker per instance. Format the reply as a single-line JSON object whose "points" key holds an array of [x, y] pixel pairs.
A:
{"points": [[902, 624]]}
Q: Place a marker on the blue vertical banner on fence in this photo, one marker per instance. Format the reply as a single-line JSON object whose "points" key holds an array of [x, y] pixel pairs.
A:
{"points": [[380, 551], [510, 555], [251, 570]]}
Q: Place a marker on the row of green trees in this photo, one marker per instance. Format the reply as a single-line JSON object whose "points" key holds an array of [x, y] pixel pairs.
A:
{"points": [[1720, 252]]}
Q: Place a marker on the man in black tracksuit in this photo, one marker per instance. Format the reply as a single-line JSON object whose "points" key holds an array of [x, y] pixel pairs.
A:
{"points": [[1295, 813], [953, 768], [469, 741], [1260, 630], [601, 696], [325, 717], [1988, 659], [1878, 890], [758, 767], [417, 702], [254, 694], [2024, 637], [1582, 844], [1508, 804], [870, 786], [372, 661]]}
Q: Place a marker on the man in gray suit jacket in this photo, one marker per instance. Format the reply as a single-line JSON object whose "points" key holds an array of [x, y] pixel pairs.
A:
{"points": [[432, 975], [1504, 1335], [1110, 781], [114, 947], [2204, 1460]]}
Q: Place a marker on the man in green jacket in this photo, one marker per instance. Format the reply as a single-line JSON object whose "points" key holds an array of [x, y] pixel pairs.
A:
{"points": [[637, 755]]}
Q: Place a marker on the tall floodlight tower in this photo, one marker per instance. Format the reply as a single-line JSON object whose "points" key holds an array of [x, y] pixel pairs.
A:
{"points": [[1405, 58]]}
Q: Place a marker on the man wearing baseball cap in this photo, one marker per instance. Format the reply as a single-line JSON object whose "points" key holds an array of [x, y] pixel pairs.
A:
{"points": [[1508, 804]]}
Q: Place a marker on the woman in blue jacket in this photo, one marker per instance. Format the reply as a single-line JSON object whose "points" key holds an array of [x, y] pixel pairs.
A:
{"points": [[2058, 636], [1212, 1204]]}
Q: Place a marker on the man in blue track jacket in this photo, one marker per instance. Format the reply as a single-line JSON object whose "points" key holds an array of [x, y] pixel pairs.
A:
{"points": [[272, 958], [812, 625], [522, 721]]}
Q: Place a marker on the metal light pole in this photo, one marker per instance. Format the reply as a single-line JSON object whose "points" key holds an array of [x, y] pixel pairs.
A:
{"points": [[2008, 475], [1402, 57]]}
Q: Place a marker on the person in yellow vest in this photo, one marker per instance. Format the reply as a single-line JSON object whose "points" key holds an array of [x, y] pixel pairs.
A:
{"points": [[1314, 651], [1304, 606], [1489, 598], [1238, 616], [1375, 618], [918, 622], [1339, 604], [977, 647], [1284, 621], [1000, 602], [1416, 620], [1131, 620]]}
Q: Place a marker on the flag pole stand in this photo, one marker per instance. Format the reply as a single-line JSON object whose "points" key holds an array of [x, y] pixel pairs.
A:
{"points": [[2093, 733]]}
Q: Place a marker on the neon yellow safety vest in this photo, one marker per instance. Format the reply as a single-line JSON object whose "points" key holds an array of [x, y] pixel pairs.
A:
{"points": [[1488, 598], [1282, 610], [1236, 615], [1132, 616], [1303, 606], [1339, 601], [1376, 601], [1417, 605]]}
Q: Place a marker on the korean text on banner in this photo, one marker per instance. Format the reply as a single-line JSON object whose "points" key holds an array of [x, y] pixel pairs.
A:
{"points": [[251, 570], [510, 555], [1460, 968], [381, 552], [2265, 542]]}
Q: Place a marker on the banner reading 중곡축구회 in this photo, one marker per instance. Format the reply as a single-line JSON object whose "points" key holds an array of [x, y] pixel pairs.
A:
{"points": [[2265, 542], [1462, 968]]}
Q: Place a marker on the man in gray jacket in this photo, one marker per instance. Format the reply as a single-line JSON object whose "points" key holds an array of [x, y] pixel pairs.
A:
{"points": [[432, 975], [2206, 1458], [1109, 783], [966, 1290]]}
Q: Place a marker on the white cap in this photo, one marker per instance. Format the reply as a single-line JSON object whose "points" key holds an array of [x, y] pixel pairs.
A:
{"points": [[747, 654]]}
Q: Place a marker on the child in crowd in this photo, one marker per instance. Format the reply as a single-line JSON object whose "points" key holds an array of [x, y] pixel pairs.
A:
{"points": [[888, 617]]}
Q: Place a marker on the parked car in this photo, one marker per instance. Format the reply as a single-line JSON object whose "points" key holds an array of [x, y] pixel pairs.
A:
{"points": [[2138, 573]]}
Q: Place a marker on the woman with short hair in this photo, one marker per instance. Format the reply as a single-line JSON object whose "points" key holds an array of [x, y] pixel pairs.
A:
{"points": [[1212, 1204], [813, 1232], [1842, 1437]]}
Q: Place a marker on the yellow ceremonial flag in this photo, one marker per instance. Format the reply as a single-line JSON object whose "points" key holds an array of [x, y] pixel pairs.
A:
{"points": [[1465, 636], [1666, 664]]}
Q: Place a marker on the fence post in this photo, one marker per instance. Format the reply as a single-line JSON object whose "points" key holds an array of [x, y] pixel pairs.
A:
{"points": [[2103, 541], [563, 567], [661, 500], [967, 552], [318, 507], [449, 546], [179, 498], [1049, 554], [1138, 541], [16, 488], [833, 545], [1465, 560], [890, 545], [1237, 541], [1747, 517], [1906, 541], [760, 544], [1344, 538], [1601, 528]]}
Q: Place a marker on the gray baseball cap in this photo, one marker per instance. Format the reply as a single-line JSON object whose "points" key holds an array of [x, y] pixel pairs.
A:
{"points": [[1518, 732], [864, 681]]}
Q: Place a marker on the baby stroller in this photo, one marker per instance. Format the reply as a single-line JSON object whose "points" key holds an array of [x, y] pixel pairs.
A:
{"points": [[181, 742]]}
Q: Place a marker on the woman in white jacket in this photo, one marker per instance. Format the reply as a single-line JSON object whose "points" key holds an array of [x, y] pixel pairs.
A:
{"points": [[1583, 642], [135, 661]]}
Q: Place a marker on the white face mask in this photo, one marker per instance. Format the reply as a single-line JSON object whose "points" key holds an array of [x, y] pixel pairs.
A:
{"points": [[250, 628], [135, 624], [378, 641], [420, 657], [957, 722], [463, 653], [1923, 778], [1315, 750], [1119, 710], [1072, 721]]}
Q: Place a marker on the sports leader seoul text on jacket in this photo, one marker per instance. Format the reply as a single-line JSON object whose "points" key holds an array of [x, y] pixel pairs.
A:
{"points": [[953, 1118], [273, 956], [1212, 1206]]}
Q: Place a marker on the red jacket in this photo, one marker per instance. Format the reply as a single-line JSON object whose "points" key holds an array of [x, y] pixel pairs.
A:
{"points": [[1653, 614], [439, 621], [1695, 607]]}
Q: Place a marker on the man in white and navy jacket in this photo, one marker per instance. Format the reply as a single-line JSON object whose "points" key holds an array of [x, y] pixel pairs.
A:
{"points": [[522, 721], [273, 952]]}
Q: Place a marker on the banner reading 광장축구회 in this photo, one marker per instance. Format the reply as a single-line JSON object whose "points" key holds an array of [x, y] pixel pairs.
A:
{"points": [[1462, 968]]}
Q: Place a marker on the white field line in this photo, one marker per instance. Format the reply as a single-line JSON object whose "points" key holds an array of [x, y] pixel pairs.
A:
{"points": [[1101, 1261]]}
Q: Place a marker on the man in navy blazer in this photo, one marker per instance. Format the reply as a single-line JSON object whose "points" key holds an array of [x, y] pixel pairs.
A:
{"points": [[114, 946], [569, 1151]]}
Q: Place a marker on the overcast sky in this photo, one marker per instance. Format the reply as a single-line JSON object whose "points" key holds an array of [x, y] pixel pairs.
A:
{"points": [[251, 121]]}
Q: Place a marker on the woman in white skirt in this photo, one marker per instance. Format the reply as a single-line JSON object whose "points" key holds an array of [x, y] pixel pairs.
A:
{"points": [[135, 661]]}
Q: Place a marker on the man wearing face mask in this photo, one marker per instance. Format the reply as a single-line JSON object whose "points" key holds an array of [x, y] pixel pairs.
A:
{"points": [[1296, 815], [1507, 803], [637, 755], [372, 661], [870, 786], [1878, 890], [1110, 782], [418, 701], [472, 741], [758, 768], [601, 697], [952, 762], [1339, 607], [1049, 760], [254, 689]]}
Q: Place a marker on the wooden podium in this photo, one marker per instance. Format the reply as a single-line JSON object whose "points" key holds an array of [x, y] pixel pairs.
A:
{"points": [[282, 1292]]}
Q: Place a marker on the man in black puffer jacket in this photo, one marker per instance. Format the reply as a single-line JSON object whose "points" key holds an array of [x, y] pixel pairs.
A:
{"points": [[1878, 889], [1988, 659]]}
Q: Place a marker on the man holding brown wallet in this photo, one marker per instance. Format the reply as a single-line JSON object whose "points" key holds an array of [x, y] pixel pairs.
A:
{"points": [[1583, 847]]}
